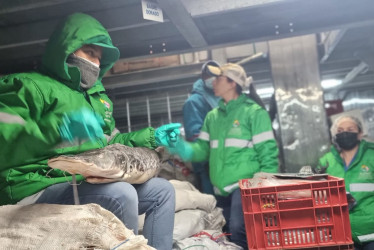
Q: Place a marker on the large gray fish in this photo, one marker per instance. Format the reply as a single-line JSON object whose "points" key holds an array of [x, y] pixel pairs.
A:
{"points": [[115, 162]]}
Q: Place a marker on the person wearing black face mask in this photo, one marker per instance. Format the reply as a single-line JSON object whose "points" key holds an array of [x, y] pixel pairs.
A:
{"points": [[352, 158], [347, 140]]}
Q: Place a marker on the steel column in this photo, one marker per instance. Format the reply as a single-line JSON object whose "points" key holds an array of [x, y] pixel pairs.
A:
{"points": [[302, 118]]}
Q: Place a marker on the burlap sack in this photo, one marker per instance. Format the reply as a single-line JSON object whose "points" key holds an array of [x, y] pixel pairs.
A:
{"points": [[47, 226]]}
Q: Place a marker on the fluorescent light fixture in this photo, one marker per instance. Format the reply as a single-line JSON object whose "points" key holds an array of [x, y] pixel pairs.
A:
{"points": [[330, 83], [358, 101], [265, 92]]}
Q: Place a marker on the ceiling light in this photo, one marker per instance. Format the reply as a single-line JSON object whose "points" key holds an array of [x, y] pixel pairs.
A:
{"points": [[330, 83], [265, 92], [358, 101]]}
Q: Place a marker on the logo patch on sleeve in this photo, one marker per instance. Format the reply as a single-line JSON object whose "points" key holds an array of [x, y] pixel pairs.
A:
{"points": [[106, 104]]}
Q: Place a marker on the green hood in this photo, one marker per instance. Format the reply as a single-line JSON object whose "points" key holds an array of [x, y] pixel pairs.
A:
{"points": [[74, 32]]}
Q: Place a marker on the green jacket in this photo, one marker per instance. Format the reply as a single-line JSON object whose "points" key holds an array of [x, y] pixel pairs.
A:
{"points": [[359, 181], [238, 140], [32, 105]]}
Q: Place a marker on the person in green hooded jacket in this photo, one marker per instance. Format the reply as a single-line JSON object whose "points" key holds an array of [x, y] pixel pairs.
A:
{"points": [[352, 158], [238, 140], [62, 108]]}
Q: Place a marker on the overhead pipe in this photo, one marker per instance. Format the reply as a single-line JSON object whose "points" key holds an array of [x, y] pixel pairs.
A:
{"points": [[251, 58]]}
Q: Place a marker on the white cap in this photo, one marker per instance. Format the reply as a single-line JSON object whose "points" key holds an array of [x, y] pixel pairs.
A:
{"points": [[233, 71]]}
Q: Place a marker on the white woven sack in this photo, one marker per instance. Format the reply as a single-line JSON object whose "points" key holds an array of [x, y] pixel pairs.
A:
{"points": [[205, 241], [188, 223], [188, 197], [48, 226]]}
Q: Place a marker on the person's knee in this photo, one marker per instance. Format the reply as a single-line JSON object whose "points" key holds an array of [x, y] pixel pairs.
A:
{"points": [[164, 187], [124, 193], [116, 197], [123, 203], [168, 187]]}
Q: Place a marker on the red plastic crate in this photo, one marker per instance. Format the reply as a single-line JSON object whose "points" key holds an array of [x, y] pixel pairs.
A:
{"points": [[317, 219]]}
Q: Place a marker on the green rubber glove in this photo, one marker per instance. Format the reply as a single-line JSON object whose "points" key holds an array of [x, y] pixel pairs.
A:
{"points": [[81, 124], [167, 135]]}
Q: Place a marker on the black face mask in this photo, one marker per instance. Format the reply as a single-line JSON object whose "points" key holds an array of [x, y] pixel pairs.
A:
{"points": [[347, 140]]}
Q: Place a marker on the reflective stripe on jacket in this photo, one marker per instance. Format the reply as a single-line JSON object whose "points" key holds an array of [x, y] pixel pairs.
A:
{"points": [[238, 140], [359, 181], [31, 109]]}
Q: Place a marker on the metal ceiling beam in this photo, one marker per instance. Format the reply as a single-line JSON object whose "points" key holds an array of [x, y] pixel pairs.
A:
{"points": [[354, 73], [205, 7], [366, 56], [152, 76], [7, 7], [34, 31], [362, 83], [180, 17], [173, 79], [244, 22], [251, 58], [350, 76], [261, 68], [331, 41]]}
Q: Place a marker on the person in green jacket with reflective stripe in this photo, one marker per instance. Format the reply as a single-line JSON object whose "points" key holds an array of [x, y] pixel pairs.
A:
{"points": [[352, 158], [63, 109], [238, 140]]}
